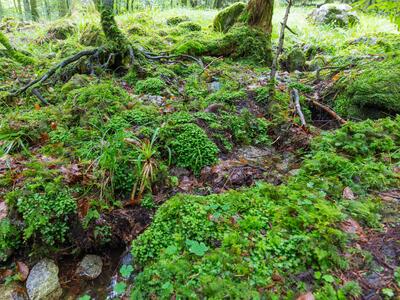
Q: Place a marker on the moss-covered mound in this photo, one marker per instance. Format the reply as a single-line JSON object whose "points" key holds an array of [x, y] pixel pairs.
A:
{"points": [[240, 244], [227, 17], [240, 41], [374, 93]]}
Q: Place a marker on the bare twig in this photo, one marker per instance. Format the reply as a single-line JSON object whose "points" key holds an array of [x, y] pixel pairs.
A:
{"points": [[294, 94]]}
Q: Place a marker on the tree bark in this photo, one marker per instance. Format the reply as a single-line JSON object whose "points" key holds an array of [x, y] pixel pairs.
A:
{"points": [[259, 14], [27, 10], [34, 10], [62, 8]]}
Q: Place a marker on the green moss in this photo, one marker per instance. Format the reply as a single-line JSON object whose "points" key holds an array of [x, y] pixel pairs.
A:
{"points": [[227, 17], [13, 53], [373, 93], [77, 81], [190, 26], [172, 21], [60, 31], [231, 245], [91, 35], [153, 86], [190, 146]]}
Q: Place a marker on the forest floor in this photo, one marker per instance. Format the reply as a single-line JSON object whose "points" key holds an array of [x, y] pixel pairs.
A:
{"points": [[235, 203]]}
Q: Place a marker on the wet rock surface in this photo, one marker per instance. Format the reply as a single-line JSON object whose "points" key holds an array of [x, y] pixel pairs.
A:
{"points": [[12, 291], [42, 282], [90, 267]]}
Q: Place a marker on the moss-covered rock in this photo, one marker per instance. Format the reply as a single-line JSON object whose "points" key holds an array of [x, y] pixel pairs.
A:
{"points": [[295, 60], [241, 41], [340, 15], [137, 30], [190, 26], [227, 17], [60, 31], [152, 86], [77, 81], [372, 94], [173, 21]]}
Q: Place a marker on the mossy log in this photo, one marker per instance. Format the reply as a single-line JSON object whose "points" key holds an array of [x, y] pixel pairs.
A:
{"points": [[13, 53]]}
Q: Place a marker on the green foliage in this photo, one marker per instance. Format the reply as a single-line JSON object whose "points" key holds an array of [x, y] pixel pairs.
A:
{"points": [[240, 239], [10, 238], [153, 86], [46, 213], [190, 146], [126, 271]]}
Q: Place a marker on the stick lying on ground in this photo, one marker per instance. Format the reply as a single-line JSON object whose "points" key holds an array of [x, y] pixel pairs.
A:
{"points": [[328, 110], [294, 94]]}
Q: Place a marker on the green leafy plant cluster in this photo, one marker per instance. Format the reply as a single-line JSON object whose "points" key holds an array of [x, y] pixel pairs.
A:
{"points": [[152, 86], [190, 146], [233, 245]]}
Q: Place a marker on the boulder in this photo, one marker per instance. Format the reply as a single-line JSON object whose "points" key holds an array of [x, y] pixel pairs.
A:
{"points": [[60, 31], [172, 21], [90, 267], [227, 17], [42, 282], [340, 15], [91, 35], [296, 60]]}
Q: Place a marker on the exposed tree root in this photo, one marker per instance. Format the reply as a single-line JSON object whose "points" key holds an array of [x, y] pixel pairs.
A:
{"points": [[175, 56], [53, 70]]}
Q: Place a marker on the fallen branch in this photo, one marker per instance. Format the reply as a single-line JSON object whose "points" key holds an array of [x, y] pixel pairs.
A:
{"points": [[39, 96], [51, 72], [294, 94], [328, 110]]}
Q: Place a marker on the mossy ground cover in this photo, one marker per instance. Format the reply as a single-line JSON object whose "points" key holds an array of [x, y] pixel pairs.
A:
{"points": [[105, 135]]}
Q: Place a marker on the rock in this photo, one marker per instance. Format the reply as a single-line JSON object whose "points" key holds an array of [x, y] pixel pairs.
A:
{"points": [[12, 291], [77, 81], [43, 281], [214, 86], [334, 14], [153, 99], [227, 17], [137, 30], [254, 154], [90, 267], [296, 60]]}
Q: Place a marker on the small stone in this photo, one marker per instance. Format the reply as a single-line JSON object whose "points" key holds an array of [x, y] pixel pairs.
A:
{"points": [[340, 15], [90, 267], [42, 282]]}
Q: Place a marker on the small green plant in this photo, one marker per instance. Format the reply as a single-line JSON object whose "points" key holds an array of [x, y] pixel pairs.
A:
{"points": [[120, 288], [153, 86], [190, 146], [126, 271]]}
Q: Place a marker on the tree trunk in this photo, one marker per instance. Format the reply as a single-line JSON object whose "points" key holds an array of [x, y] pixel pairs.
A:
{"points": [[218, 4], [34, 10], [1, 10], [19, 9], [62, 8], [113, 34], [259, 14], [47, 9], [27, 10]]}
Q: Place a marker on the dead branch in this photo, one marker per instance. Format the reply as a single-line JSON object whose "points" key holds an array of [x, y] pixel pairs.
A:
{"points": [[278, 51], [294, 94], [53, 70], [328, 110]]}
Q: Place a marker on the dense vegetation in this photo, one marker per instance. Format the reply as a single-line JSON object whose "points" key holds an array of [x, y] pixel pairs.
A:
{"points": [[160, 130]]}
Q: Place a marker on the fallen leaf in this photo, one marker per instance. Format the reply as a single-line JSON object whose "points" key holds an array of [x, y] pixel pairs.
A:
{"points": [[4, 273], [307, 296], [37, 106], [23, 270], [53, 125], [348, 193], [336, 77]]}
